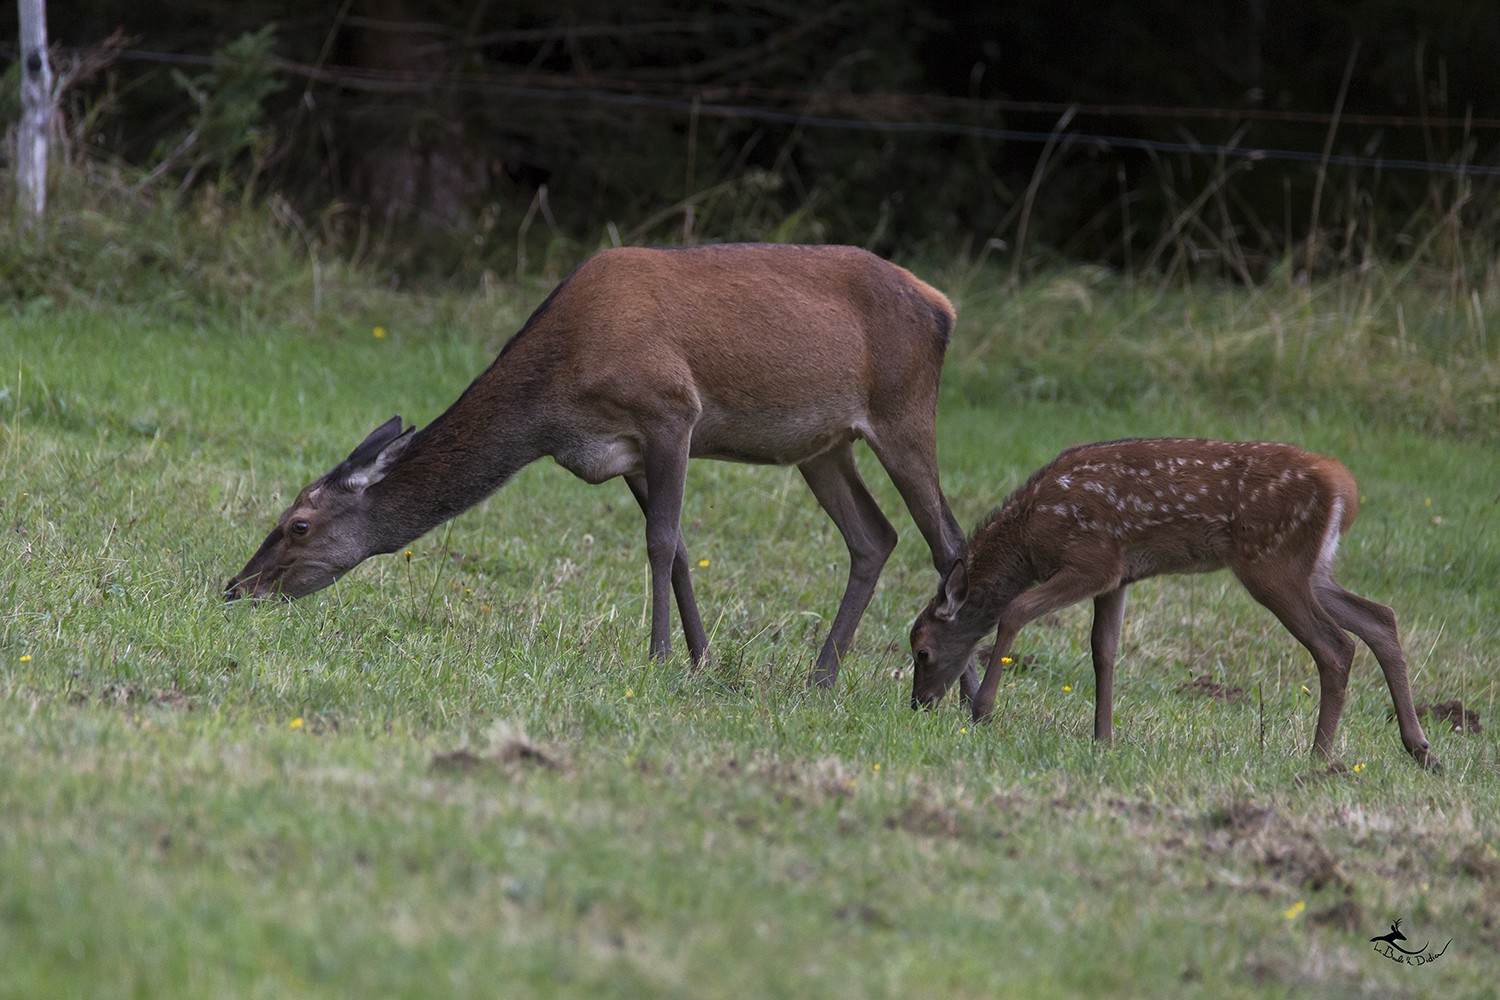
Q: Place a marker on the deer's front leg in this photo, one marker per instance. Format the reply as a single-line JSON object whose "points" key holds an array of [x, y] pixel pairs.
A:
{"points": [[666, 475], [682, 580]]}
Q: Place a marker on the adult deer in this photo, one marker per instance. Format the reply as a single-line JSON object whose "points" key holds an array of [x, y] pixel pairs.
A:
{"points": [[1101, 516], [640, 360]]}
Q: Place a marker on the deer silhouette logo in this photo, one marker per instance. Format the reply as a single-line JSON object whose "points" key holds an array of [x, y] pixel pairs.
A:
{"points": [[1394, 936], [1385, 944]]}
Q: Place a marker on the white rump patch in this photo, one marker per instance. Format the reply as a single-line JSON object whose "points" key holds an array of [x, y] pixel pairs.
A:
{"points": [[1330, 537]]}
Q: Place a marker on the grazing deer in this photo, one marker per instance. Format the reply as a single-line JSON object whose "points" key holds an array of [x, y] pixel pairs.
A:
{"points": [[640, 360], [1102, 516]]}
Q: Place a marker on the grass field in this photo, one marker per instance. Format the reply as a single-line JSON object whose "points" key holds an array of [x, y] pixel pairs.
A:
{"points": [[456, 774]]}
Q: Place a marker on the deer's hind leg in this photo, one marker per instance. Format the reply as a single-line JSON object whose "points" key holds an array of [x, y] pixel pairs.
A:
{"points": [[1290, 598], [1375, 624], [1104, 643]]}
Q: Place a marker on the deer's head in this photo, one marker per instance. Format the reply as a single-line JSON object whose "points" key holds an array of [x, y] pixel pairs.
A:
{"points": [[328, 530]]}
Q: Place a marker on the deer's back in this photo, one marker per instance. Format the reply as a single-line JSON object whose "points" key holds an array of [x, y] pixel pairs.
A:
{"points": [[1184, 505], [778, 350]]}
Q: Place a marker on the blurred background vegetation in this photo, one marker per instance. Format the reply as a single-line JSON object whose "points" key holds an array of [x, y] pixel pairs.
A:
{"points": [[460, 137]]}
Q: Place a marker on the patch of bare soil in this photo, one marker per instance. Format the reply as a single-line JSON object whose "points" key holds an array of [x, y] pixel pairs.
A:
{"points": [[460, 761], [1254, 831], [1463, 720], [1345, 915], [1479, 861], [129, 694], [931, 821], [1206, 687], [1241, 816], [514, 756], [1299, 858], [869, 916], [518, 751], [796, 784]]}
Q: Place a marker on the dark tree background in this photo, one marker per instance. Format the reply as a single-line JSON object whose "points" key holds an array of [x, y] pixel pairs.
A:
{"points": [[432, 124]]}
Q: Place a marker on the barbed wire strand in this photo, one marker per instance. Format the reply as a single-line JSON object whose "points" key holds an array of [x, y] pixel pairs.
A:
{"points": [[404, 81]]}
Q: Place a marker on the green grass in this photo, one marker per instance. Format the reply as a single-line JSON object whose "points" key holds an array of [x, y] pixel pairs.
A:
{"points": [[270, 801]]}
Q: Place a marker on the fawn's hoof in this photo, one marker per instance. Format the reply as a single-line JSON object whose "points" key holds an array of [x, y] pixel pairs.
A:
{"points": [[1427, 759]]}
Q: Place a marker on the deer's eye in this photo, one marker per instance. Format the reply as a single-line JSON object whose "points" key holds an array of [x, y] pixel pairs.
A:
{"points": [[922, 656], [300, 527]]}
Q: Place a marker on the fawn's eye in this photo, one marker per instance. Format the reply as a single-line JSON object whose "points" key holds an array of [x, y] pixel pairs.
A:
{"points": [[300, 527], [922, 656]]}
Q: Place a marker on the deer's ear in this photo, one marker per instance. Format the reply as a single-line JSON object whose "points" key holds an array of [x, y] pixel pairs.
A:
{"points": [[368, 464], [374, 442], [953, 592]]}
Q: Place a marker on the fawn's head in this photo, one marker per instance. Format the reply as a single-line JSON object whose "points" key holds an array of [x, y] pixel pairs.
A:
{"points": [[943, 638]]}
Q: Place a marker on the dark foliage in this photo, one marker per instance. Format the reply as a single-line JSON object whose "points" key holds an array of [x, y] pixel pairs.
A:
{"points": [[418, 126]]}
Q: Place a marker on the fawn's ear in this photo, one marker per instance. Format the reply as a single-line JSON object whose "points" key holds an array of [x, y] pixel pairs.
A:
{"points": [[953, 592]]}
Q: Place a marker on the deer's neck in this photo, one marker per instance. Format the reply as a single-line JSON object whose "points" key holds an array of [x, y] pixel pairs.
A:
{"points": [[1001, 568], [492, 431]]}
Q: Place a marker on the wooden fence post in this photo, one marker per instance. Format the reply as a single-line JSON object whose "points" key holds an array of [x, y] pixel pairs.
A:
{"points": [[35, 132]]}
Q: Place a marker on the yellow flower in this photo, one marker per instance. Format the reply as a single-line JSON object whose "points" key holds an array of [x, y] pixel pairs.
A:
{"points": [[1429, 501], [379, 332], [965, 729], [26, 658], [629, 693], [1067, 687], [295, 723], [877, 767], [702, 562], [1295, 910], [1358, 768], [1006, 659]]}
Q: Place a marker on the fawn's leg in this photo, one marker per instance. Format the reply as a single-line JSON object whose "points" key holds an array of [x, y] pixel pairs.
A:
{"points": [[1375, 624], [1292, 601], [1068, 586], [1104, 642]]}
